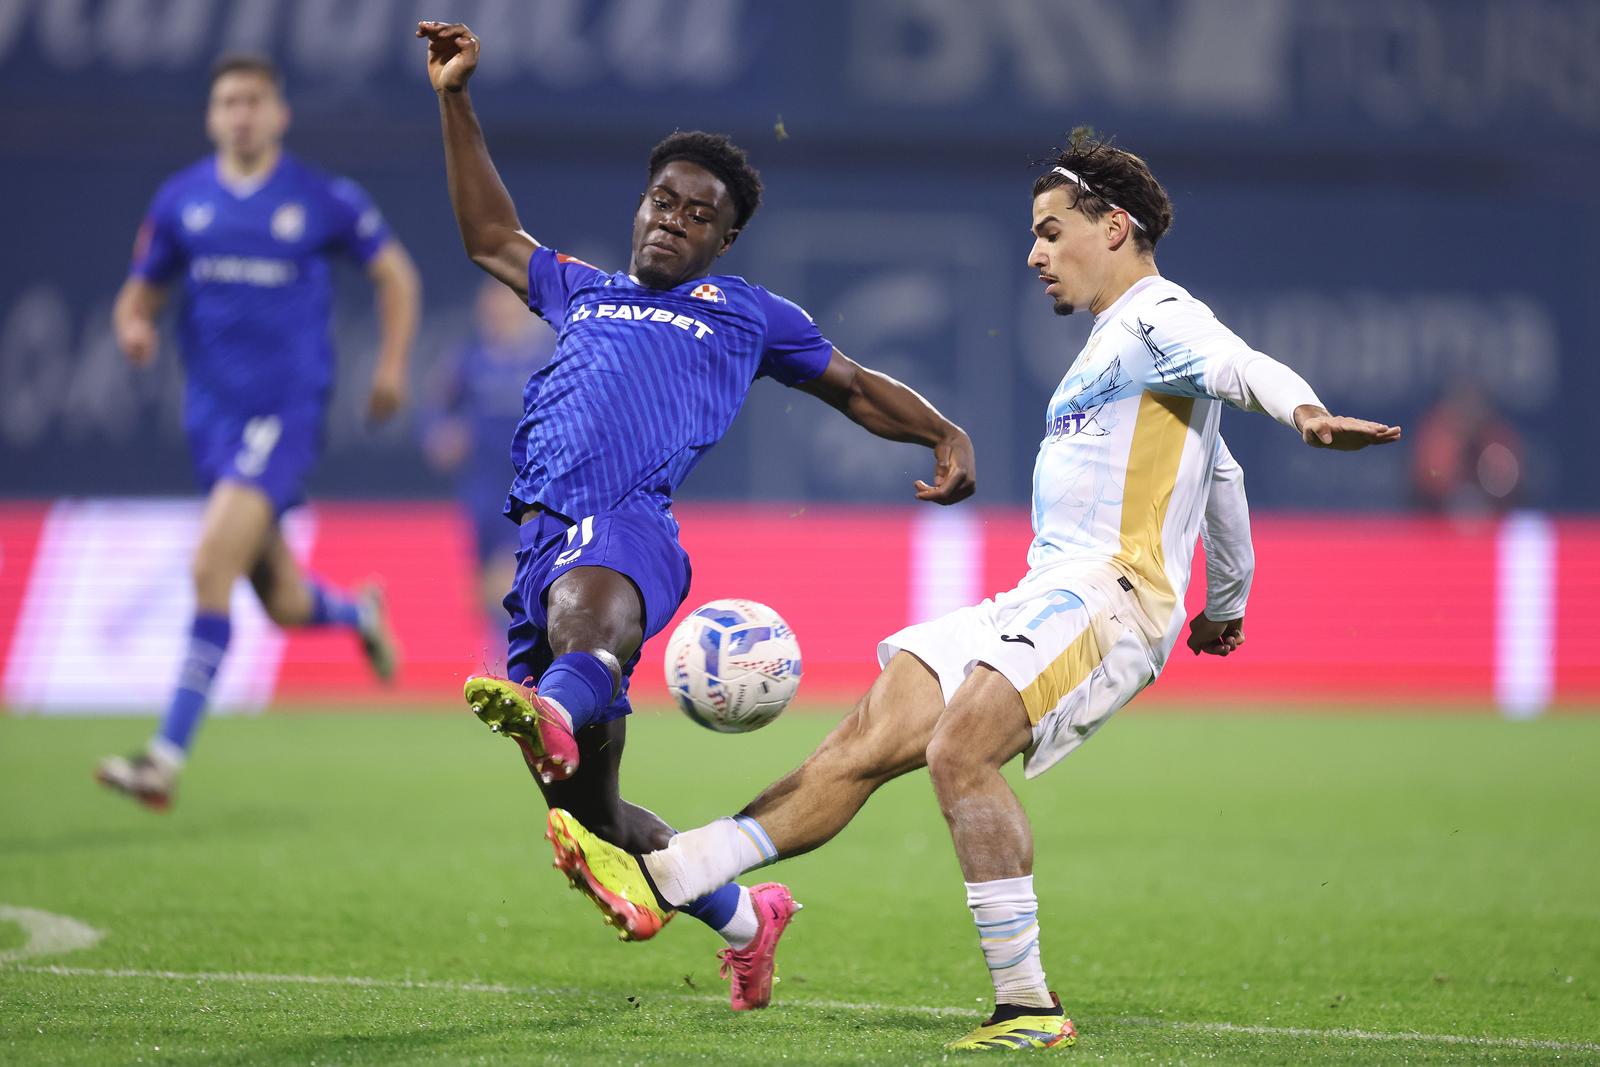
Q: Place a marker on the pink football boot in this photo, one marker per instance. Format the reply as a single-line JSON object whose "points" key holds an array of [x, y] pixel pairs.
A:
{"points": [[540, 726], [750, 969]]}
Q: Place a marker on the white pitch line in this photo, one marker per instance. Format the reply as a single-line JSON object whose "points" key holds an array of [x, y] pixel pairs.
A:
{"points": [[361, 982], [48, 934]]}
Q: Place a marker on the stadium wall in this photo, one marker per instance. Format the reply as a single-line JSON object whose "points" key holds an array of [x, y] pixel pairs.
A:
{"points": [[94, 600]]}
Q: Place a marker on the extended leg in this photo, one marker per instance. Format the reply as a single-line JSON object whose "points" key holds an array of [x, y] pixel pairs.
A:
{"points": [[596, 623], [884, 737]]}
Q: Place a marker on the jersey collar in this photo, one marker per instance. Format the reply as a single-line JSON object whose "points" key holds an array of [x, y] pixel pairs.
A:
{"points": [[1116, 308], [245, 189]]}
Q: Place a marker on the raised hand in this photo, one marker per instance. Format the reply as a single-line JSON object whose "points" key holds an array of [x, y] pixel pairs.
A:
{"points": [[1340, 432], [452, 54], [954, 472]]}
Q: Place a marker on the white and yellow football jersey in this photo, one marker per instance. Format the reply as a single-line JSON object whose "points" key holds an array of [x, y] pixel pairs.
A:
{"points": [[1131, 471], [1131, 448]]}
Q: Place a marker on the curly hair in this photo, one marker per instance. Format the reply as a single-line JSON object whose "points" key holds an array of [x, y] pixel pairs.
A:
{"points": [[721, 157], [1110, 176]]}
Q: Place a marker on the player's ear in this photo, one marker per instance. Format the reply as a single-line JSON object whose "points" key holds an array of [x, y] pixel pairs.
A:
{"points": [[1119, 229], [727, 240]]}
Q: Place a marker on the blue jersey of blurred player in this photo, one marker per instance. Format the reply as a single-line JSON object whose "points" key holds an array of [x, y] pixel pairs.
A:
{"points": [[472, 408], [650, 367], [247, 236]]}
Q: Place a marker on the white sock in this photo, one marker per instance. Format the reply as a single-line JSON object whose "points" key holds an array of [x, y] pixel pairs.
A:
{"points": [[166, 755], [1007, 914], [741, 929], [698, 861]]}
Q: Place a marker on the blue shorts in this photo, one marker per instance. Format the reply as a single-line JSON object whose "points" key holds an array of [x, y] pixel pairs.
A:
{"points": [[275, 453], [641, 544]]}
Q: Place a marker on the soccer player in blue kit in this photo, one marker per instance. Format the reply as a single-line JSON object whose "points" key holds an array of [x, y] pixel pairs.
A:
{"points": [[248, 234], [651, 366]]}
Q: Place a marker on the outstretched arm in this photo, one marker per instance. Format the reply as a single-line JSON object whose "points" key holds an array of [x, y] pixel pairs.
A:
{"points": [[1230, 560], [493, 237], [1260, 383], [1194, 354], [893, 410]]}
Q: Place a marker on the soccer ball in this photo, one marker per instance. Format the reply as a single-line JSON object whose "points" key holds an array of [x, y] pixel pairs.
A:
{"points": [[733, 665]]}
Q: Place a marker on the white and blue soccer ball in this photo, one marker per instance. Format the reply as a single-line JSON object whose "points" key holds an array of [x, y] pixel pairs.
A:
{"points": [[733, 665]]}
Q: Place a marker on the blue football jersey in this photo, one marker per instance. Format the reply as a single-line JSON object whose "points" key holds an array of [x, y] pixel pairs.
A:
{"points": [[643, 381], [253, 264]]}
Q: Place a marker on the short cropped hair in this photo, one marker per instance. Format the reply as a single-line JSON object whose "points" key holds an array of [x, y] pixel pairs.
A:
{"points": [[1112, 176], [721, 157], [247, 63]]}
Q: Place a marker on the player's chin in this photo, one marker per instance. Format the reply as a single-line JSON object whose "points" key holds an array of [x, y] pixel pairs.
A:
{"points": [[1062, 307], [660, 276]]}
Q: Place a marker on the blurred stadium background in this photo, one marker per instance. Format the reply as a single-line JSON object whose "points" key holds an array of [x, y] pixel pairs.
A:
{"points": [[1393, 196]]}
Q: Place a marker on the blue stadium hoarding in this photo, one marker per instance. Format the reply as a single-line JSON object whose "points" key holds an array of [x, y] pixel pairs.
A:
{"points": [[1346, 175]]}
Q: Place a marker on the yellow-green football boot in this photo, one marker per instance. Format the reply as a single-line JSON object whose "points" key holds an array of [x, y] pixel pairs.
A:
{"points": [[1010, 1030]]}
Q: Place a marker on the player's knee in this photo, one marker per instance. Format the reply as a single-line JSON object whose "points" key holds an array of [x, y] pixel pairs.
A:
{"points": [[582, 628], [952, 761], [598, 610], [281, 610], [213, 578]]}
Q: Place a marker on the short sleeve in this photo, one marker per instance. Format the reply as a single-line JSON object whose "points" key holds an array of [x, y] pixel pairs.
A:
{"points": [[359, 229], [552, 279], [795, 351], [158, 254]]}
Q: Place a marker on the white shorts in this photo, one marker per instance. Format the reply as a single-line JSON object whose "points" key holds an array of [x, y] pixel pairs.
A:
{"points": [[1072, 646]]}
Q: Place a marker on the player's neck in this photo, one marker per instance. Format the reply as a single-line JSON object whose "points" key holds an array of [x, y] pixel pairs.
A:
{"points": [[248, 170], [1121, 281]]}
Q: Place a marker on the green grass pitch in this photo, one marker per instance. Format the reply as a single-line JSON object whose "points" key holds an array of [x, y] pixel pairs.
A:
{"points": [[374, 889]]}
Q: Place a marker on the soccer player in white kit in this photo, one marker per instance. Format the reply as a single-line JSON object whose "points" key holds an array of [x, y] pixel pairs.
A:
{"points": [[1131, 470]]}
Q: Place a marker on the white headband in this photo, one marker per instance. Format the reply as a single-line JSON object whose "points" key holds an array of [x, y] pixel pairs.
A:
{"points": [[1085, 187]]}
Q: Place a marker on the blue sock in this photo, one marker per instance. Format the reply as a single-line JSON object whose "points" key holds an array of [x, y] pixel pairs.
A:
{"points": [[579, 682], [330, 607], [716, 908], [208, 641]]}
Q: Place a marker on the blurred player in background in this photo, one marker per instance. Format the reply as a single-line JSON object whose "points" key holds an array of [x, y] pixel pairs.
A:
{"points": [[650, 368], [1468, 458], [1130, 471], [471, 409], [247, 236]]}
